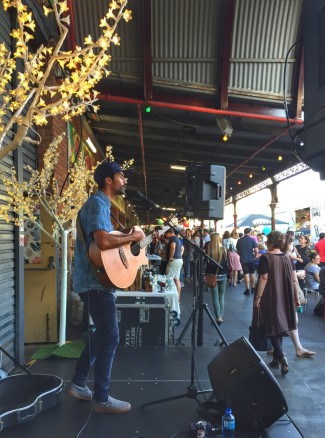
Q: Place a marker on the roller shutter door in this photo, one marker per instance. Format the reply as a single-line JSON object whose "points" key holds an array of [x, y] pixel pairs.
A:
{"points": [[8, 266]]}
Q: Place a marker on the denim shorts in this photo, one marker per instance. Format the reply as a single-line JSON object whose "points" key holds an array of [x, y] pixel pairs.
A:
{"points": [[174, 268]]}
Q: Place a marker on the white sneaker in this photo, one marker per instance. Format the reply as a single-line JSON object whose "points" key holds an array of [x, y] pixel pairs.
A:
{"points": [[111, 406], [82, 392]]}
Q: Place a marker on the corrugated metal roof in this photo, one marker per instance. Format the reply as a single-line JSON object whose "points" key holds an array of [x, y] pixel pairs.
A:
{"points": [[186, 42], [263, 33], [127, 57]]}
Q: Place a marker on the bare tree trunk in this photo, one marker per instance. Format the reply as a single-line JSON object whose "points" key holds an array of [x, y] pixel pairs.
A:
{"points": [[16, 142]]}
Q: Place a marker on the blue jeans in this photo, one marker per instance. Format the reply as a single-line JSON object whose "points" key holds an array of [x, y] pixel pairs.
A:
{"points": [[186, 265], [101, 345], [218, 297]]}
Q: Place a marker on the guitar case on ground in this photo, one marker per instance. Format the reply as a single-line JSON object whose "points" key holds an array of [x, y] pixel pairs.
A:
{"points": [[24, 396]]}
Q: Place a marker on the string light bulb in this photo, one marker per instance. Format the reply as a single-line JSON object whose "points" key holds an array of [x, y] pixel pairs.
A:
{"points": [[250, 175], [225, 137], [148, 108], [280, 158]]}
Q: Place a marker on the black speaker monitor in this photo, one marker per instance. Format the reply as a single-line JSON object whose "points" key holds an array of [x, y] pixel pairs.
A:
{"points": [[241, 380], [206, 191]]}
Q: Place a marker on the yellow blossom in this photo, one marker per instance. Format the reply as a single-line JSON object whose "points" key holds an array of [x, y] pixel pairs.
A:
{"points": [[88, 40], [41, 103], [127, 15], [47, 11], [116, 40], [31, 25], [63, 6], [40, 119], [15, 33]]}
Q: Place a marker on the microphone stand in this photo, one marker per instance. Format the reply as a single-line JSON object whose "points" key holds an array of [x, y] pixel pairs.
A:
{"points": [[191, 392]]}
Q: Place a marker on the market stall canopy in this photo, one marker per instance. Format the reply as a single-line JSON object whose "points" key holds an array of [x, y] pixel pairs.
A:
{"points": [[254, 220]]}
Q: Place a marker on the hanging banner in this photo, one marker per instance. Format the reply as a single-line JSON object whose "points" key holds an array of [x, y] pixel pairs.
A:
{"points": [[303, 224], [32, 240], [78, 147]]}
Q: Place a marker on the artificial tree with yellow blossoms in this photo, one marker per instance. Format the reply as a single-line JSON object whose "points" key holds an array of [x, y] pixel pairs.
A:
{"points": [[62, 206], [35, 98], [42, 189]]}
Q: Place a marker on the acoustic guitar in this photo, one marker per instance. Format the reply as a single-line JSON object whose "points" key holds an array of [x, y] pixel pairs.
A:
{"points": [[118, 266]]}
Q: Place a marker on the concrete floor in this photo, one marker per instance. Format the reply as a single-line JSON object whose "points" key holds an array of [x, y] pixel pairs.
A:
{"points": [[146, 374]]}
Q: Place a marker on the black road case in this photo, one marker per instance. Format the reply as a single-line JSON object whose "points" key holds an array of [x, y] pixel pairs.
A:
{"points": [[143, 321]]}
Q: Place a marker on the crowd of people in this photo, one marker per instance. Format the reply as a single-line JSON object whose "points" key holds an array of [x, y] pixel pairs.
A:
{"points": [[243, 252], [278, 273]]}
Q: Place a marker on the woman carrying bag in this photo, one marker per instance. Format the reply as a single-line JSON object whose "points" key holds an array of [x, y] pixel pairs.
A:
{"points": [[216, 278], [276, 296]]}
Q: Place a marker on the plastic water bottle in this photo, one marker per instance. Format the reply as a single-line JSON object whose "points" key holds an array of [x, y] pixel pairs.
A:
{"points": [[228, 424], [169, 282]]}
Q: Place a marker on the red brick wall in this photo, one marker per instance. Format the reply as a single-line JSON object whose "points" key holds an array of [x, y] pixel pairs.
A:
{"points": [[52, 130]]}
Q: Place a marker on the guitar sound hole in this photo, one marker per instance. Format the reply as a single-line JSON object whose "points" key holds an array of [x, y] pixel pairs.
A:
{"points": [[135, 248]]}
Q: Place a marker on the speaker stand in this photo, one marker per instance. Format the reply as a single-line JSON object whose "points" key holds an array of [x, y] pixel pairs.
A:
{"points": [[18, 364], [201, 306], [191, 391]]}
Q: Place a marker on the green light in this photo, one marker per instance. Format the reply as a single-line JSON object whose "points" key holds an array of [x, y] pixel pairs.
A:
{"points": [[263, 168], [148, 109]]}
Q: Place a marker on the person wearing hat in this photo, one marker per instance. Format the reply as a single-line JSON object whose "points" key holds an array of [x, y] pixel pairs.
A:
{"points": [[94, 223]]}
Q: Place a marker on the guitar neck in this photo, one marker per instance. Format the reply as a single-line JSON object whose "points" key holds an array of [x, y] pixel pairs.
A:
{"points": [[145, 242]]}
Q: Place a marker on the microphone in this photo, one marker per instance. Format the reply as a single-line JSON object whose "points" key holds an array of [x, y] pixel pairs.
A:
{"points": [[142, 196]]}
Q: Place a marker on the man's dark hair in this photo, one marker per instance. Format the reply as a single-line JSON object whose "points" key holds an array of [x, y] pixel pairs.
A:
{"points": [[247, 230], [321, 236], [276, 239]]}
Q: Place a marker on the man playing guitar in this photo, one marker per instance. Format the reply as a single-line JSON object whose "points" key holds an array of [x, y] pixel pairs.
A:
{"points": [[94, 224]]}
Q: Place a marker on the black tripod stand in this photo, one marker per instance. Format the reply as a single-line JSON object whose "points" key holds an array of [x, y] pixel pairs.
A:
{"points": [[14, 360], [200, 307]]}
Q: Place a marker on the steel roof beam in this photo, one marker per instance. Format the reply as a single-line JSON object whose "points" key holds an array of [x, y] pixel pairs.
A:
{"points": [[147, 49], [200, 109], [227, 41]]}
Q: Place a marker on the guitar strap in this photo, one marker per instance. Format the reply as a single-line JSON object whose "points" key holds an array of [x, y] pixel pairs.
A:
{"points": [[117, 221]]}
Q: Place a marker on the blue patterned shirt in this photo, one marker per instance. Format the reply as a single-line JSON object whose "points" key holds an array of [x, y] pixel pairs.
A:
{"points": [[94, 215]]}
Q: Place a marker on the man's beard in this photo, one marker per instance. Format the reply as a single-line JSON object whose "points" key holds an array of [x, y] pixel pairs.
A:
{"points": [[122, 191]]}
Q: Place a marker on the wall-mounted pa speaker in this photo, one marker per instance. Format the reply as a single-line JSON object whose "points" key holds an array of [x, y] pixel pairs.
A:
{"points": [[241, 379], [206, 191], [312, 148]]}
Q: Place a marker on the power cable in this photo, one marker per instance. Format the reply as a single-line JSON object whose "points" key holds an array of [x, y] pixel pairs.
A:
{"points": [[77, 155], [285, 102]]}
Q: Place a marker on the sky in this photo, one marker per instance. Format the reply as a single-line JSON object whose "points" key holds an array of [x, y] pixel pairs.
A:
{"points": [[304, 190]]}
